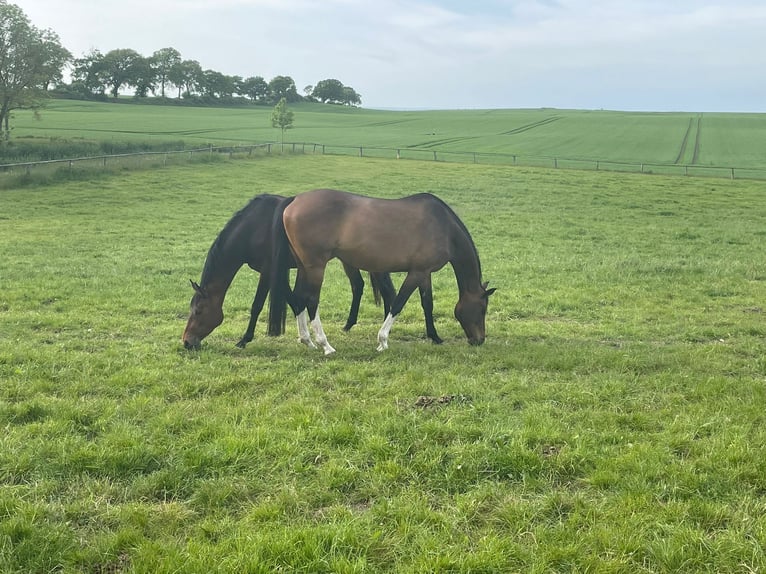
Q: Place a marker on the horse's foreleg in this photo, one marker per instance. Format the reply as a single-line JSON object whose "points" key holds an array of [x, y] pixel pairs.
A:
{"points": [[408, 286], [303, 329], [357, 288], [316, 326], [255, 310], [427, 302]]}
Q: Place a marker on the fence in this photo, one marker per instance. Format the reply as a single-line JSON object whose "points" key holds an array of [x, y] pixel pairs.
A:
{"points": [[489, 158], [163, 158]]}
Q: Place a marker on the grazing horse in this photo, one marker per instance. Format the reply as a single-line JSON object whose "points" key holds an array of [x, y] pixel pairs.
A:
{"points": [[246, 238], [417, 235]]}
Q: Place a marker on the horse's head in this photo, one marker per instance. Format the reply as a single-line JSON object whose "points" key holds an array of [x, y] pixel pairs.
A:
{"points": [[470, 311], [205, 314]]}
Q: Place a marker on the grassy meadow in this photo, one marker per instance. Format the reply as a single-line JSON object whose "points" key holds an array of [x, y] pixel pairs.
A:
{"points": [[716, 139], [612, 422]]}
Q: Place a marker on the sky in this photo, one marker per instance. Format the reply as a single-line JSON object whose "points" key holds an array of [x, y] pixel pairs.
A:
{"points": [[651, 55]]}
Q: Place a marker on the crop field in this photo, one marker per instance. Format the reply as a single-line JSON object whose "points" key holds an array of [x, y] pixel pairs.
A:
{"points": [[612, 422], [728, 140]]}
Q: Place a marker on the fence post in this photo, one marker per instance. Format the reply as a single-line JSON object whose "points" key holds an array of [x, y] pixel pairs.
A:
{"points": [[474, 157], [398, 154], [360, 151], [732, 173], [555, 163], [434, 155]]}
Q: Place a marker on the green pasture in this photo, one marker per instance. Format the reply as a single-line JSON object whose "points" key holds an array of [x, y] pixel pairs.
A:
{"points": [[612, 422], [729, 140]]}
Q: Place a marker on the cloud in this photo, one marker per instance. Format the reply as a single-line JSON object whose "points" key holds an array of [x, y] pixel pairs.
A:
{"points": [[646, 54]]}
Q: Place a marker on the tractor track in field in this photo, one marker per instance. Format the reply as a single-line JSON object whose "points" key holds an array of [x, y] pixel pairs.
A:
{"points": [[531, 126], [696, 156], [685, 141]]}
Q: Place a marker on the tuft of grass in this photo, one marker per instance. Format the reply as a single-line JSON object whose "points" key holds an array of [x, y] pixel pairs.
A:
{"points": [[610, 423]]}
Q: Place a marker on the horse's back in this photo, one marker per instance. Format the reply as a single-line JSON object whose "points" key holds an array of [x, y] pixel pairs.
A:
{"points": [[369, 233]]}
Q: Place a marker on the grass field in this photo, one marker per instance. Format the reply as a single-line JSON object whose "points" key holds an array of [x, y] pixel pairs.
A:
{"points": [[612, 422], [730, 140]]}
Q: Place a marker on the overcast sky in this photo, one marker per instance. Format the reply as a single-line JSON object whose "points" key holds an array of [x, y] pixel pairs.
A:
{"points": [[652, 55]]}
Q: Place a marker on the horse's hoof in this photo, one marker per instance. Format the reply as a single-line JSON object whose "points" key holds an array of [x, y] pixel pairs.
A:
{"points": [[242, 344], [329, 351], [308, 342]]}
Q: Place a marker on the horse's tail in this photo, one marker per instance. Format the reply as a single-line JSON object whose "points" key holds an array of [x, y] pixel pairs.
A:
{"points": [[279, 284], [383, 288], [375, 288]]}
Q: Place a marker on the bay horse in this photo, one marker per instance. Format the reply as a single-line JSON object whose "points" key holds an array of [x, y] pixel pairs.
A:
{"points": [[246, 238], [418, 235]]}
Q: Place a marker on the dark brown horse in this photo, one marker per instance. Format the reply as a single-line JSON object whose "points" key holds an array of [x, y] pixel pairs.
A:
{"points": [[417, 235], [247, 238]]}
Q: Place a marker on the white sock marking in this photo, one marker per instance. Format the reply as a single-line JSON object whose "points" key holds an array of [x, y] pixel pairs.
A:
{"points": [[316, 326], [303, 329], [384, 331]]}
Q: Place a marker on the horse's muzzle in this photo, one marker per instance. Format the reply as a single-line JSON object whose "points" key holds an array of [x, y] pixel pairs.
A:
{"points": [[192, 345], [476, 342]]}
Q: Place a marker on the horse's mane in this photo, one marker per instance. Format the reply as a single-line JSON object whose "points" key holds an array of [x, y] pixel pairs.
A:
{"points": [[460, 224], [216, 250]]}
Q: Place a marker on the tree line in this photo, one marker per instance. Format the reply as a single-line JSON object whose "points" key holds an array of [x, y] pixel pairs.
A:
{"points": [[102, 75], [33, 61]]}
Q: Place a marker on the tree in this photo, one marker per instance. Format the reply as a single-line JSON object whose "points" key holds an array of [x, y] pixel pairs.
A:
{"points": [[350, 97], [283, 87], [144, 76], [30, 60], [282, 118], [186, 76], [88, 73], [255, 88], [121, 68], [334, 92], [164, 61], [328, 91]]}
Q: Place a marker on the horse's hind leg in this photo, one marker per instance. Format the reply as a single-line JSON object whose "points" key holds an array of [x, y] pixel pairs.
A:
{"points": [[408, 286], [308, 286], [260, 298], [357, 288]]}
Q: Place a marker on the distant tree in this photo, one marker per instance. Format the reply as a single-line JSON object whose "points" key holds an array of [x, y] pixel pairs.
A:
{"points": [[87, 72], [255, 88], [334, 92], [144, 76], [122, 67], [164, 61], [309, 93], [30, 60], [283, 87], [186, 76], [282, 118], [217, 85], [328, 91], [350, 97]]}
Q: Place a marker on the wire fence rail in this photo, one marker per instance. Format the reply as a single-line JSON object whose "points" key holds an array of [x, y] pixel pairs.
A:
{"points": [[9, 172]]}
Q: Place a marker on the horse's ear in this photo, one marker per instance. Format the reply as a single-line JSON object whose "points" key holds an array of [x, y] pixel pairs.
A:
{"points": [[487, 292], [197, 288]]}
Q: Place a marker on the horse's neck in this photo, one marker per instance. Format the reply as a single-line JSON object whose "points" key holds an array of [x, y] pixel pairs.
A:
{"points": [[220, 268], [465, 263]]}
